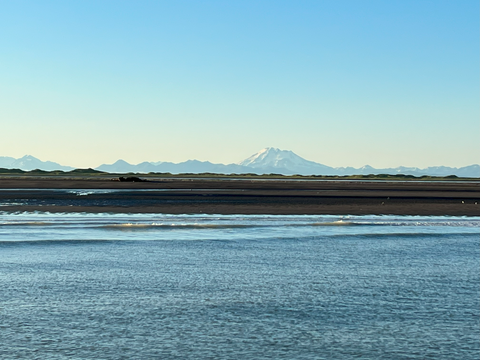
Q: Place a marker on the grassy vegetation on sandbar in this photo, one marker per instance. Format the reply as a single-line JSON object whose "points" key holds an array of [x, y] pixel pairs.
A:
{"points": [[92, 173]]}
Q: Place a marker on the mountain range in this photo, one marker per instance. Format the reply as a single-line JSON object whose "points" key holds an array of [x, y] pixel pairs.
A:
{"points": [[28, 162], [266, 161]]}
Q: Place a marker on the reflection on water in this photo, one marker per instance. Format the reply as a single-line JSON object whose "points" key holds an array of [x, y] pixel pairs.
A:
{"points": [[155, 286]]}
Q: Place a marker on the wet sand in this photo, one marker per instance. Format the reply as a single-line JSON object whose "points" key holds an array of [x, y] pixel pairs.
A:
{"points": [[227, 196]]}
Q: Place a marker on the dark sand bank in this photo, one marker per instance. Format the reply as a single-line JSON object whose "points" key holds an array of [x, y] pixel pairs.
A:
{"points": [[218, 196]]}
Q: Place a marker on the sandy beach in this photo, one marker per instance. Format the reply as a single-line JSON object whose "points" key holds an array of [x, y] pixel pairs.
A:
{"points": [[240, 196]]}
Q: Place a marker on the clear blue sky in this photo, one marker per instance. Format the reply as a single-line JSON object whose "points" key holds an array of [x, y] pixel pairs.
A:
{"points": [[343, 83]]}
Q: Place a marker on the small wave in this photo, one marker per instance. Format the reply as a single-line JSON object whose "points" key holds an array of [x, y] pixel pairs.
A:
{"points": [[242, 225], [80, 192], [336, 223], [125, 226], [403, 235], [84, 193], [11, 204], [132, 226], [46, 242], [27, 223], [323, 237]]}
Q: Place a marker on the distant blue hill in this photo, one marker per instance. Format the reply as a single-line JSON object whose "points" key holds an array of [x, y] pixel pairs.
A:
{"points": [[272, 160], [29, 163], [266, 161]]}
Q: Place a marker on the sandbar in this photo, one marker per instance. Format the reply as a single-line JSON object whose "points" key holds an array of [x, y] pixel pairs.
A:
{"points": [[240, 196]]}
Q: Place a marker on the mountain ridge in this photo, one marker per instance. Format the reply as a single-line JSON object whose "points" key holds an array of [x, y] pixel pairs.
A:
{"points": [[266, 161], [29, 162]]}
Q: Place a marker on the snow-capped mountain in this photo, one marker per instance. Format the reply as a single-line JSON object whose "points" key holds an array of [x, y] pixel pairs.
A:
{"points": [[285, 162], [29, 162]]}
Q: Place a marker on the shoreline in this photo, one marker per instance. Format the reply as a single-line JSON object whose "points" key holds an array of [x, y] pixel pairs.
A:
{"points": [[248, 197]]}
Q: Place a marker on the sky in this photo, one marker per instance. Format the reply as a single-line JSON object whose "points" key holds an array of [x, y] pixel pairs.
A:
{"points": [[343, 83]]}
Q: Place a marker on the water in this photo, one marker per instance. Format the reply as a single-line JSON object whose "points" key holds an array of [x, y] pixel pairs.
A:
{"points": [[123, 286]]}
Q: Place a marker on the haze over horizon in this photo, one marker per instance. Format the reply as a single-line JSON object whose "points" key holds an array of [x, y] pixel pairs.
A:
{"points": [[340, 83]]}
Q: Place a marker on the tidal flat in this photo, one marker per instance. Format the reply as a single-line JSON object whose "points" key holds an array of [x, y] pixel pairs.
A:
{"points": [[241, 196]]}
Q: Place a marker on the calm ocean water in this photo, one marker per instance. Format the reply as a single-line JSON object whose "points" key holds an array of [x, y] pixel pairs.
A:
{"points": [[152, 286]]}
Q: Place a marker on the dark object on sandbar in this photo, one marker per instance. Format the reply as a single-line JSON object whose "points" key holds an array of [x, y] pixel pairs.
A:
{"points": [[131, 179]]}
